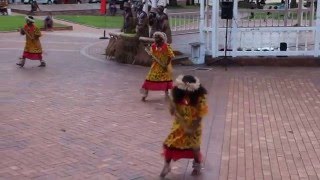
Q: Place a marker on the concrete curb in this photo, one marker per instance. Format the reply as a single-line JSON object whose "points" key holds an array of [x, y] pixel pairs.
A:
{"points": [[291, 61], [84, 24], [66, 28]]}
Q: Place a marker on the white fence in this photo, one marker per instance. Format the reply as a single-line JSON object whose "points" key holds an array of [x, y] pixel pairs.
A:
{"points": [[255, 32], [264, 41], [185, 22], [274, 18], [259, 32], [189, 21]]}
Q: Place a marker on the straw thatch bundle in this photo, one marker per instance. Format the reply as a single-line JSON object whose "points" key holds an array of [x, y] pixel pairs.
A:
{"points": [[111, 48], [128, 49]]}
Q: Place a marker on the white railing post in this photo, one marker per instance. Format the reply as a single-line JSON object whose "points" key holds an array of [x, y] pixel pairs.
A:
{"points": [[286, 13], [311, 10], [234, 30], [317, 38], [214, 28], [202, 36]]}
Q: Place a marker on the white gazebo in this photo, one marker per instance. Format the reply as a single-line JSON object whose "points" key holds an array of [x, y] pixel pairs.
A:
{"points": [[259, 32]]}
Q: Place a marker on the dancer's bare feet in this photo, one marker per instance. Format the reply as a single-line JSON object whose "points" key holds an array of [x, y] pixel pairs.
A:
{"points": [[20, 64], [166, 169], [42, 64], [196, 169]]}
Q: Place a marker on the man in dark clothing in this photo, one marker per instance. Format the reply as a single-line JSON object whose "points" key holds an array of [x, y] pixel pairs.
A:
{"points": [[34, 6], [142, 22], [153, 22], [164, 25], [112, 7], [129, 25], [48, 22]]}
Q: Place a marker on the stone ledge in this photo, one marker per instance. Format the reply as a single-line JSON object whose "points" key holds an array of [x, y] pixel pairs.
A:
{"points": [[266, 61], [181, 60], [69, 12], [69, 28], [73, 22]]}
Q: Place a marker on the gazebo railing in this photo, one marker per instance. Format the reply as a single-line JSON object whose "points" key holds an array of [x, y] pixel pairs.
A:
{"points": [[262, 32], [247, 18], [265, 41], [274, 18], [184, 22]]}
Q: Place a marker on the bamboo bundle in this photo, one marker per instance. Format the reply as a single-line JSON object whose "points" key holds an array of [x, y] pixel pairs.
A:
{"points": [[129, 49], [111, 48]]}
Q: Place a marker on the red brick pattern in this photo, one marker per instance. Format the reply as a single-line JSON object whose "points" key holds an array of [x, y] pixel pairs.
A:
{"points": [[272, 126], [78, 118], [81, 117]]}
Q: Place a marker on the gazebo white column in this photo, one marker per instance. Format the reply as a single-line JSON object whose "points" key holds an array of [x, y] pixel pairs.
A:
{"points": [[317, 39], [202, 35], [234, 30], [214, 27]]}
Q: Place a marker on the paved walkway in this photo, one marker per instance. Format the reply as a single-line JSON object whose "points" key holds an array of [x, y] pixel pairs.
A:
{"points": [[81, 117]]}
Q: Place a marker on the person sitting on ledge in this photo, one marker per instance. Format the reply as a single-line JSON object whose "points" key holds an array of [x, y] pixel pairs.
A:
{"points": [[48, 23]]}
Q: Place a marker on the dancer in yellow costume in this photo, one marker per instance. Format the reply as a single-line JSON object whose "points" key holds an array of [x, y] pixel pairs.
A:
{"points": [[159, 77], [188, 105], [32, 48]]}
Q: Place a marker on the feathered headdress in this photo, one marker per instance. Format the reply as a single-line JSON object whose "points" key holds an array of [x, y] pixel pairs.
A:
{"points": [[30, 18], [187, 86], [161, 34]]}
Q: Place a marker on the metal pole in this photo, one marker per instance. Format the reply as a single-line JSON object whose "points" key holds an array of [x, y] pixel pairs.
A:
{"points": [[105, 26], [226, 39]]}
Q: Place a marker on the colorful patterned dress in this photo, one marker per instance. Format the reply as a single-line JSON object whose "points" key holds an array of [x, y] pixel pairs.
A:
{"points": [[159, 78], [32, 48], [179, 144]]}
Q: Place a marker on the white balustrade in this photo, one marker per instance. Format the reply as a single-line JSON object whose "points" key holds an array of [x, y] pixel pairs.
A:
{"points": [[184, 22], [254, 32], [265, 41]]}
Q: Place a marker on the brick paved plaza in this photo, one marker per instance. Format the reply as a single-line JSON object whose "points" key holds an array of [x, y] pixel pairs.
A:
{"points": [[81, 117]]}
